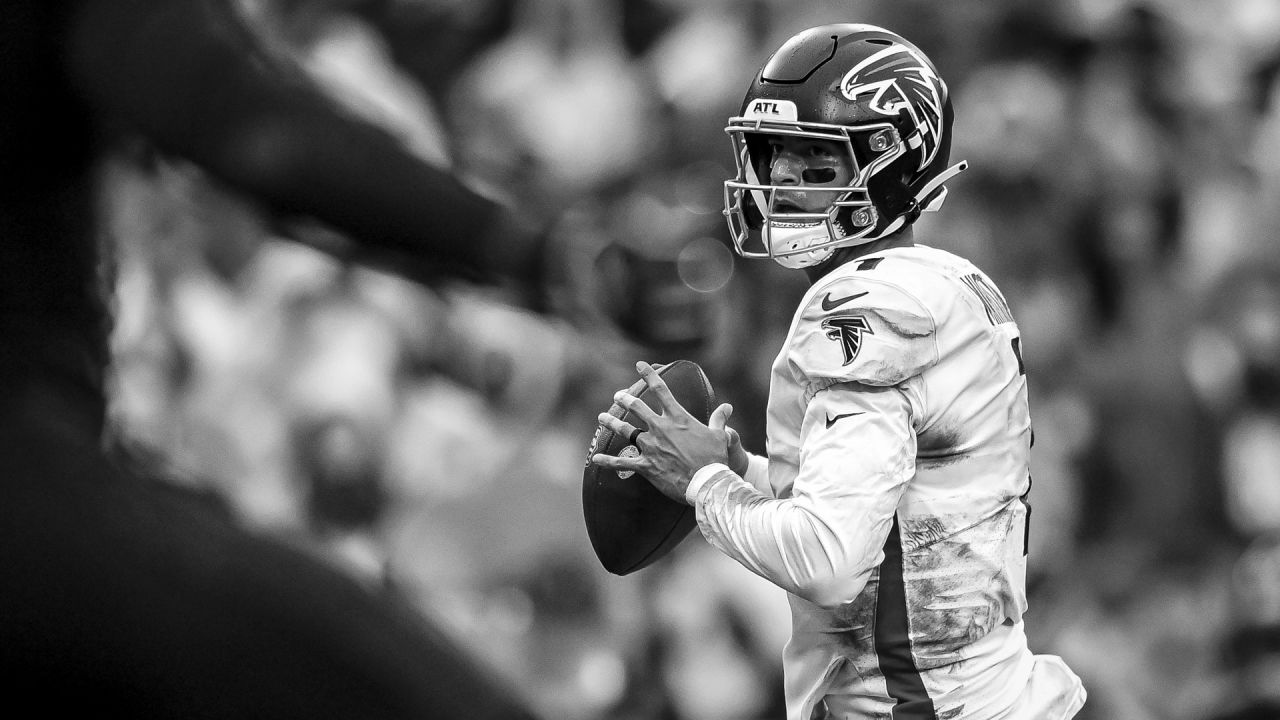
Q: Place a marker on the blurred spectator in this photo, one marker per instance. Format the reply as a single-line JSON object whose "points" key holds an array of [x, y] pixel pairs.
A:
{"points": [[1251, 650], [1233, 360], [553, 109]]}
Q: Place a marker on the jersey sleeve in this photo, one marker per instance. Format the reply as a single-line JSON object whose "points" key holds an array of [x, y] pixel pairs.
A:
{"points": [[823, 540], [862, 328]]}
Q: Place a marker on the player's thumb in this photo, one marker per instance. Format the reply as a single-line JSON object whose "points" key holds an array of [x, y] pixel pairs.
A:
{"points": [[720, 416]]}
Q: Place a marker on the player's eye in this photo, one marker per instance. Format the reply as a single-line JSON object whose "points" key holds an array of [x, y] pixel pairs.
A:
{"points": [[815, 176]]}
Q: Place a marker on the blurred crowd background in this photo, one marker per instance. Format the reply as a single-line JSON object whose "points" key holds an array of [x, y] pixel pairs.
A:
{"points": [[1124, 192]]}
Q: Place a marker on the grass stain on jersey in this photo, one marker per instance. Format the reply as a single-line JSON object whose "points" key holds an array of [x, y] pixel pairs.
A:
{"points": [[956, 594]]}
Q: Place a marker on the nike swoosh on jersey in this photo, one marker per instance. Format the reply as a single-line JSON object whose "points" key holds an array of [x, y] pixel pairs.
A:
{"points": [[829, 304], [833, 420]]}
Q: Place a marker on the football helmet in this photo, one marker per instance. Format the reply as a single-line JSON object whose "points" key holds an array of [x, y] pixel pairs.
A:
{"points": [[880, 99]]}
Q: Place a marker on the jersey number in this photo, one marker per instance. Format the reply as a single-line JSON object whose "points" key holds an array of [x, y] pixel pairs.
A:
{"points": [[1026, 524], [1016, 344]]}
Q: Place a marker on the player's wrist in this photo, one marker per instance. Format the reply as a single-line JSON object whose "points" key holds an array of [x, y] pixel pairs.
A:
{"points": [[700, 478]]}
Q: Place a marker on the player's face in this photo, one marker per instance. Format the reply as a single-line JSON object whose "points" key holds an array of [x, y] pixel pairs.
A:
{"points": [[807, 162]]}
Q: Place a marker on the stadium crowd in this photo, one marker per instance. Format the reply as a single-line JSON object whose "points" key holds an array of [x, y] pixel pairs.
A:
{"points": [[1125, 165]]}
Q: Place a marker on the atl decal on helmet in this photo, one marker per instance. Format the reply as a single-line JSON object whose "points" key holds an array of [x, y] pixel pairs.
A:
{"points": [[772, 110]]}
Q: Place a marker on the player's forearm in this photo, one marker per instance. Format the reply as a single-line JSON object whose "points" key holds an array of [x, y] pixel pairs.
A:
{"points": [[192, 77], [756, 473], [784, 542]]}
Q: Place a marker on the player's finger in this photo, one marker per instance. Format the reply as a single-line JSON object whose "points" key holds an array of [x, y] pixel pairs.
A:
{"points": [[666, 400], [636, 405], [617, 425], [616, 462], [720, 417], [636, 387]]}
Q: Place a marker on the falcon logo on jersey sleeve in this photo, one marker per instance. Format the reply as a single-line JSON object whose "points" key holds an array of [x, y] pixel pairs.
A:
{"points": [[833, 338], [847, 330]]}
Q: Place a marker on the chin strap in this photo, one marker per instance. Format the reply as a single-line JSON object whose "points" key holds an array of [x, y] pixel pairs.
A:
{"points": [[935, 183], [915, 208]]}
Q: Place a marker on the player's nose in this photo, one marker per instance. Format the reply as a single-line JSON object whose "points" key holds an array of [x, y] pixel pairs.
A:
{"points": [[786, 169]]}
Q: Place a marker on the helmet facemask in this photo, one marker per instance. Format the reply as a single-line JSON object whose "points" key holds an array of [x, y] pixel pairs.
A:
{"points": [[763, 224]]}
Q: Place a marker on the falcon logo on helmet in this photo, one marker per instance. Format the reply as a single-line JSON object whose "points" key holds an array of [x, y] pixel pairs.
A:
{"points": [[899, 80]]}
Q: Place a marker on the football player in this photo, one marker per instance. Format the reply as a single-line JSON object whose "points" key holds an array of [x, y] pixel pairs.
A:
{"points": [[893, 503]]}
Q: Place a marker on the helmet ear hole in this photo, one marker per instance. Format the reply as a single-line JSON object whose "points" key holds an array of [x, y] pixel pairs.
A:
{"points": [[888, 188]]}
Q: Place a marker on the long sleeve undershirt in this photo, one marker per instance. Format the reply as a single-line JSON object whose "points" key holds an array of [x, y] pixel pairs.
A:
{"points": [[821, 537]]}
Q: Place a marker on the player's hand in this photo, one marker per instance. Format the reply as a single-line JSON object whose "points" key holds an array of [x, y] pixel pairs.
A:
{"points": [[738, 459], [674, 444]]}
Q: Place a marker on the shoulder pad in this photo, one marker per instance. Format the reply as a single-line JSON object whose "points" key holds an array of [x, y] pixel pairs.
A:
{"points": [[862, 328]]}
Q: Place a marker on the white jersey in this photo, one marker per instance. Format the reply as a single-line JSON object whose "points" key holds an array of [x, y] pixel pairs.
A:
{"points": [[892, 506]]}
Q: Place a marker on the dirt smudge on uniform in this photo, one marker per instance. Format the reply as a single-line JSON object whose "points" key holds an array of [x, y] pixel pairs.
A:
{"points": [[855, 621], [938, 441], [919, 532], [957, 587], [903, 323]]}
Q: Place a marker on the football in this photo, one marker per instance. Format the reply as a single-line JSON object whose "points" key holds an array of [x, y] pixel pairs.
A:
{"points": [[630, 522]]}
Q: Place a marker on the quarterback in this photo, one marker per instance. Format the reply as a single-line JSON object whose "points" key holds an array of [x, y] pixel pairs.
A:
{"points": [[893, 501]]}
